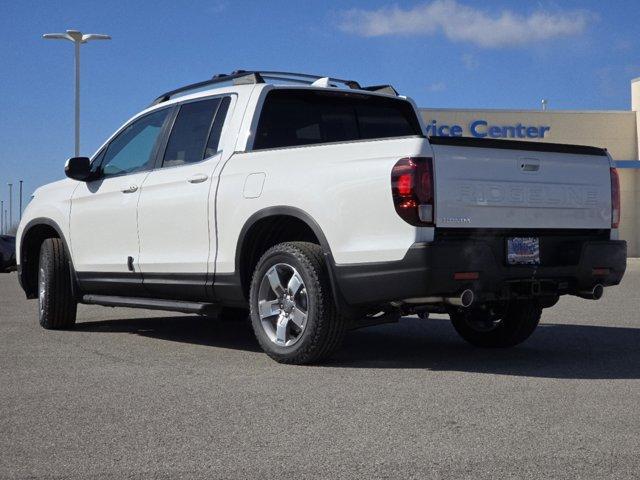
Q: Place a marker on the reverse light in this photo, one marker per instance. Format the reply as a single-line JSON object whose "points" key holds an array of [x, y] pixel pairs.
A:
{"points": [[412, 190], [615, 198]]}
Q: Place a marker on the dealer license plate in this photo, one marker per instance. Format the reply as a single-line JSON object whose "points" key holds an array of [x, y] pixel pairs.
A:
{"points": [[523, 251]]}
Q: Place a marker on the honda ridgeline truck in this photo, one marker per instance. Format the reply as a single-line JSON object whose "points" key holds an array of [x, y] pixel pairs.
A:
{"points": [[318, 205]]}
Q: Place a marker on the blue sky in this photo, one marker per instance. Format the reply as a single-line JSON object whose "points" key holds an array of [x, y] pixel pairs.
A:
{"points": [[443, 53]]}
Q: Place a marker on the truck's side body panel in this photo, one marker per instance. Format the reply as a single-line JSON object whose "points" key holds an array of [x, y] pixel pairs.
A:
{"points": [[333, 184]]}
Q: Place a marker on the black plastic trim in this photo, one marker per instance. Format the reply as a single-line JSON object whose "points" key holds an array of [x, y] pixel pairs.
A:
{"points": [[21, 268], [277, 211], [517, 145], [111, 283], [151, 304], [163, 138], [427, 270], [169, 286], [183, 286], [228, 286]]}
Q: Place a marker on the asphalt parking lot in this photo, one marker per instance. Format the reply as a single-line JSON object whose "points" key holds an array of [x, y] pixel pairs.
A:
{"points": [[138, 394]]}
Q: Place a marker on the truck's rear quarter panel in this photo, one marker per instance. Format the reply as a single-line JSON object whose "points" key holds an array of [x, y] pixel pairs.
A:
{"points": [[344, 187]]}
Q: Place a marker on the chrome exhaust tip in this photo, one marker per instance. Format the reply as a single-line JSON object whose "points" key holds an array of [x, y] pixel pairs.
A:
{"points": [[594, 294], [597, 292], [465, 299]]}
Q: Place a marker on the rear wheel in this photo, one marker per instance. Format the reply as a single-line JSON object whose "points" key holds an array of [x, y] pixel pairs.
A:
{"points": [[292, 309], [483, 329], [56, 304]]}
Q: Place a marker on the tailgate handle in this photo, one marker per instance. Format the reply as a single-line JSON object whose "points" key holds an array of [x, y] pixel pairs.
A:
{"points": [[529, 165]]}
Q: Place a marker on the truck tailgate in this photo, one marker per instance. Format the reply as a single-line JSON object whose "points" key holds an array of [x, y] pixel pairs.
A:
{"points": [[509, 188]]}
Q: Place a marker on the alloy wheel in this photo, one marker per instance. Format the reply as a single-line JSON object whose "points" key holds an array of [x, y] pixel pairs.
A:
{"points": [[283, 304]]}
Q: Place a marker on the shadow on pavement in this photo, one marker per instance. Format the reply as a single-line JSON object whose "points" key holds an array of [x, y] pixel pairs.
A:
{"points": [[554, 350], [196, 330]]}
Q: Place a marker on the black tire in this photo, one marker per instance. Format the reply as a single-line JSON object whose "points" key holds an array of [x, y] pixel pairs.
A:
{"points": [[56, 304], [515, 325], [325, 327]]}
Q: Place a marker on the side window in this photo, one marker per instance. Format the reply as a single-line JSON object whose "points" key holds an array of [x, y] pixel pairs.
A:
{"points": [[288, 121], [132, 150], [97, 161], [216, 128], [196, 132]]}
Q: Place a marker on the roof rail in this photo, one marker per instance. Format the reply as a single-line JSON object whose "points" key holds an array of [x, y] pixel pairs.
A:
{"points": [[241, 77], [307, 78], [386, 89]]}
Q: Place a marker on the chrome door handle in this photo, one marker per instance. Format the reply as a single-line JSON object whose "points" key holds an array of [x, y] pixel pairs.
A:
{"points": [[198, 178], [130, 189]]}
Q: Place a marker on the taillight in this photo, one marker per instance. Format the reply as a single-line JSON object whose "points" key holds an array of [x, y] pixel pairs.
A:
{"points": [[412, 190], [615, 199]]}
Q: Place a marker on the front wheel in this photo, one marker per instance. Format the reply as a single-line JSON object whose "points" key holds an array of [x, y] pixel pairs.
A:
{"points": [[292, 309], [56, 304], [483, 329]]}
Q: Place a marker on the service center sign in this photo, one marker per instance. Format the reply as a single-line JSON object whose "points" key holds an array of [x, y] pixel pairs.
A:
{"points": [[483, 129]]}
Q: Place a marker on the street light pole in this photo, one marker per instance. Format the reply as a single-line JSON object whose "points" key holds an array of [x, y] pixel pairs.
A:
{"points": [[77, 116], [2, 217], [20, 216], [77, 38], [10, 205]]}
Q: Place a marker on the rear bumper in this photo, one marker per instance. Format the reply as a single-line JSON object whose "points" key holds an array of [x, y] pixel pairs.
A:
{"points": [[428, 270]]}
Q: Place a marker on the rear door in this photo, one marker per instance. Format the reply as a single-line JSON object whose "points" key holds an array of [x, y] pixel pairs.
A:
{"points": [[173, 212], [507, 188]]}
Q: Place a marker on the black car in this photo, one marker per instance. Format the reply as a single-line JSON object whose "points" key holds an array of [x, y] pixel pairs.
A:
{"points": [[7, 253]]}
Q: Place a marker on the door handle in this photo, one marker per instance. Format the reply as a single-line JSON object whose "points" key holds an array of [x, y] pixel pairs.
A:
{"points": [[130, 189], [198, 178]]}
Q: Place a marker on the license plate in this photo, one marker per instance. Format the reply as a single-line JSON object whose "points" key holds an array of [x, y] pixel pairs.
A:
{"points": [[523, 251]]}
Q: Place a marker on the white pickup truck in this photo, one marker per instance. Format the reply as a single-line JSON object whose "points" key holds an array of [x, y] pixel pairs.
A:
{"points": [[319, 205]]}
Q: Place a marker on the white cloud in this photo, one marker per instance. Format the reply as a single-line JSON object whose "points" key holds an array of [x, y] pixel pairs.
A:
{"points": [[217, 6], [470, 62], [463, 23], [437, 87]]}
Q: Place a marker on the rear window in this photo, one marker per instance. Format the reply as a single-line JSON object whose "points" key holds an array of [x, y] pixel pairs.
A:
{"points": [[292, 118]]}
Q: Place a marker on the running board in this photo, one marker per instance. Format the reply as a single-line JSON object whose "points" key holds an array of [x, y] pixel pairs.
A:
{"points": [[152, 304]]}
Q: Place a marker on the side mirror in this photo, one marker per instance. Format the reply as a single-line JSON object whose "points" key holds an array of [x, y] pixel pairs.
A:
{"points": [[78, 168]]}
